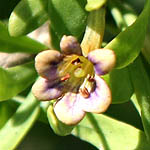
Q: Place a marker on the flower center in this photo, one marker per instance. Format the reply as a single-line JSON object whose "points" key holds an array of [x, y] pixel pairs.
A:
{"points": [[76, 74]]}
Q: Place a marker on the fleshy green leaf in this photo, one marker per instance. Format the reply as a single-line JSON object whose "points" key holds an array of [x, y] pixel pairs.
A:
{"points": [[128, 43], [68, 17], [136, 104], [16, 79], [146, 49], [109, 134], [55, 41], [27, 16], [5, 113], [124, 16], [120, 84], [18, 44], [94, 4], [19, 124], [141, 83]]}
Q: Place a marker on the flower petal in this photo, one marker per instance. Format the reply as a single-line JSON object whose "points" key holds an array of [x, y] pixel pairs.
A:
{"points": [[103, 59], [99, 99], [68, 109], [69, 45], [47, 90], [47, 62]]}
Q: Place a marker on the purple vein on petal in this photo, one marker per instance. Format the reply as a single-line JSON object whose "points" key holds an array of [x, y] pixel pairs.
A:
{"points": [[103, 59], [47, 90], [69, 45], [68, 109], [99, 99], [47, 63]]}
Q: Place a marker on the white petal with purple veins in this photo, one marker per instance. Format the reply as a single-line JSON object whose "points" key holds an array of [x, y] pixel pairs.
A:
{"points": [[69, 45], [99, 99], [47, 62], [68, 109], [103, 59], [47, 90]]}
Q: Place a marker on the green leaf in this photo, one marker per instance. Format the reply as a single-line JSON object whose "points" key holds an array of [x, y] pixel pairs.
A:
{"points": [[18, 44], [141, 83], [128, 43], [27, 16], [94, 4], [120, 84], [55, 41], [121, 112], [146, 49], [109, 134], [16, 79], [67, 17], [136, 104], [5, 113], [124, 16], [19, 124]]}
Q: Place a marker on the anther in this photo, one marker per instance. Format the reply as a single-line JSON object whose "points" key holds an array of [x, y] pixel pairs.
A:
{"points": [[91, 79], [84, 92]]}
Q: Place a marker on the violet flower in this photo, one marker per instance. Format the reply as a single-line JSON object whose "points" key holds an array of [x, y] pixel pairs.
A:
{"points": [[73, 80]]}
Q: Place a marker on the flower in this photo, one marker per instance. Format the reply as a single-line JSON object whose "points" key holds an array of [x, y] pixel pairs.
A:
{"points": [[74, 80]]}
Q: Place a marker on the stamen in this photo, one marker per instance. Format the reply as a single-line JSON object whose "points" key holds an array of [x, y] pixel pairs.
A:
{"points": [[91, 79], [66, 77], [87, 86], [84, 92], [76, 74]]}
